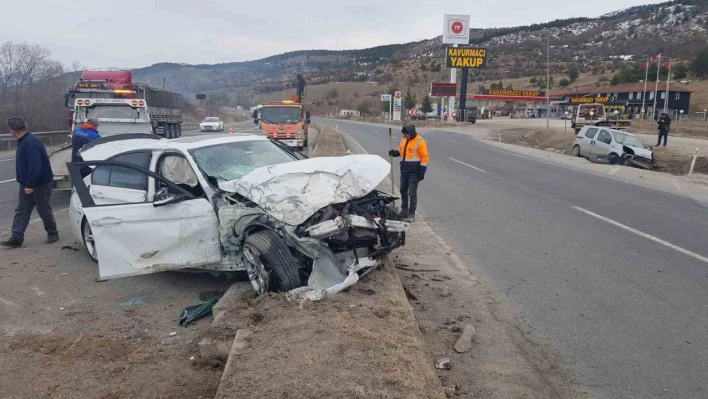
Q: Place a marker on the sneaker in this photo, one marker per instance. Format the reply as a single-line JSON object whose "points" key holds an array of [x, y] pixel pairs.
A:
{"points": [[52, 239], [404, 214], [11, 243], [410, 218]]}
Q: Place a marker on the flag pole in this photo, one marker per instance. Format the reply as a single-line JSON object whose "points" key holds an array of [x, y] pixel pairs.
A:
{"points": [[668, 81], [656, 88], [644, 95]]}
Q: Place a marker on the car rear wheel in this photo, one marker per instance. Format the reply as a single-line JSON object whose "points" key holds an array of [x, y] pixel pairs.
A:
{"points": [[89, 242], [269, 263], [576, 151]]}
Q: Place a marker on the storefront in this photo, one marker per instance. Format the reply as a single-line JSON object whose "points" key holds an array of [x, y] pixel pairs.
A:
{"points": [[627, 100]]}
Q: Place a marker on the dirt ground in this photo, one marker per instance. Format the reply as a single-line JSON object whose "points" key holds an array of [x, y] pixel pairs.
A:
{"points": [[668, 160], [63, 335], [363, 343]]}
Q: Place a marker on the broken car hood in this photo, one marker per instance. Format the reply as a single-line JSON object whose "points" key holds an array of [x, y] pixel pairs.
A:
{"points": [[641, 152], [294, 191]]}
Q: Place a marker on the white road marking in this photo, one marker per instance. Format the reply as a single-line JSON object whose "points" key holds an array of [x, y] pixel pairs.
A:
{"points": [[7, 160], [468, 165], [645, 235], [6, 181]]}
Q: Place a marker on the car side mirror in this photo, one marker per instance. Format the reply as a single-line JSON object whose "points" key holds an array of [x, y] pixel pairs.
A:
{"points": [[165, 197]]}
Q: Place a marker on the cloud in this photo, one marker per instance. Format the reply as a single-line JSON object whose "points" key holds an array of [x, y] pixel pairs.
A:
{"points": [[134, 34]]}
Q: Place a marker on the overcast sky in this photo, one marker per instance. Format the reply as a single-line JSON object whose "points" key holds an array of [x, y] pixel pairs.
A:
{"points": [[144, 32]]}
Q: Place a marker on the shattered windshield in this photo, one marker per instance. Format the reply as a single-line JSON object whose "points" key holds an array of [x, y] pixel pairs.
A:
{"points": [[281, 114], [628, 140], [230, 161]]}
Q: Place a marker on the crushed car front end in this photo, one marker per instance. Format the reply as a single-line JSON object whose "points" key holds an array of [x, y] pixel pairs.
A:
{"points": [[326, 210]]}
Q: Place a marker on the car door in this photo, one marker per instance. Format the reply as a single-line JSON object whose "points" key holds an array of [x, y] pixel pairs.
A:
{"points": [[121, 185], [177, 230], [587, 139], [602, 145]]}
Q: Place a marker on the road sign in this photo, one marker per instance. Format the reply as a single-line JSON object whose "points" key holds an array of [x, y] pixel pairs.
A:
{"points": [[456, 29], [412, 112], [201, 96], [385, 97], [397, 105], [465, 57], [444, 90]]}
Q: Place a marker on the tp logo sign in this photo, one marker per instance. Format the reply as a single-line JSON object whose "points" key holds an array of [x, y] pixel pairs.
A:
{"points": [[456, 29]]}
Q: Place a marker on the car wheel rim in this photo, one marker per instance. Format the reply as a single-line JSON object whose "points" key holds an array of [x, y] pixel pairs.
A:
{"points": [[257, 272], [89, 242]]}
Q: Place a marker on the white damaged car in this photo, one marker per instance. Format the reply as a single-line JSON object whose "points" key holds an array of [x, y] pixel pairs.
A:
{"points": [[232, 203]]}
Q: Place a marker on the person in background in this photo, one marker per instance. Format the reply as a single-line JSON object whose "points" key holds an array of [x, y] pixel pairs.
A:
{"points": [[413, 151], [664, 128], [85, 134], [34, 174]]}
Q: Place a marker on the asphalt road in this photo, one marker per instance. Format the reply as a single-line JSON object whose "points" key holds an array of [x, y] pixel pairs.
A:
{"points": [[614, 275]]}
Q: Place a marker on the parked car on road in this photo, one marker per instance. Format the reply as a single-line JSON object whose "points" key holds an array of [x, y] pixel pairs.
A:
{"points": [[211, 124], [612, 146], [230, 203]]}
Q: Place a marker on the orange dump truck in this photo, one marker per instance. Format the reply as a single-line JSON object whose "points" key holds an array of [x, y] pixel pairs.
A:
{"points": [[286, 121]]}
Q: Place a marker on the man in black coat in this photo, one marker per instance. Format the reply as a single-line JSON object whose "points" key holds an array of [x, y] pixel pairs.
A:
{"points": [[664, 128], [34, 175]]}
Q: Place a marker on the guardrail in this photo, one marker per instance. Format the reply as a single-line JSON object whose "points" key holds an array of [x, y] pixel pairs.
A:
{"points": [[59, 137]]}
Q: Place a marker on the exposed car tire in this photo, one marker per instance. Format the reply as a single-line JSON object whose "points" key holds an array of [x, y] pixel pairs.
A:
{"points": [[269, 263], [575, 151], [89, 243]]}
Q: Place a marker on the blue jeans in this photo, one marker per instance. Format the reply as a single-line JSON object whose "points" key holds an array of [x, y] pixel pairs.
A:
{"points": [[665, 135], [27, 202]]}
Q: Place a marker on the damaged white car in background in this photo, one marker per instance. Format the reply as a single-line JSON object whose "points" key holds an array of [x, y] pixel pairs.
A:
{"points": [[233, 203]]}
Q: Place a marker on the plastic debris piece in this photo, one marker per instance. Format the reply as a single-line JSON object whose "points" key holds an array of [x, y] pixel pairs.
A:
{"points": [[173, 333], [193, 313]]}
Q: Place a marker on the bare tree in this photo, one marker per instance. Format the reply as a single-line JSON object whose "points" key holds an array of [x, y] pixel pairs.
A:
{"points": [[31, 85]]}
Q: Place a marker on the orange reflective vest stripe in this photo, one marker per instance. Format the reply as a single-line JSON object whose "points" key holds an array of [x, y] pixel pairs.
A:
{"points": [[415, 150]]}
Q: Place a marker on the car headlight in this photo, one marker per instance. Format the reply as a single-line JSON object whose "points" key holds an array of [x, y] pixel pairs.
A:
{"points": [[300, 134]]}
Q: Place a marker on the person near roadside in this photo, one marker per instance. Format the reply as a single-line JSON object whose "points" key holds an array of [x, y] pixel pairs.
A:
{"points": [[82, 135], [664, 128], [35, 177], [413, 151]]}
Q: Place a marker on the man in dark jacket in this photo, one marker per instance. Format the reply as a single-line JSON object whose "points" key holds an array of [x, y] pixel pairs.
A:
{"points": [[85, 134], [34, 174], [664, 128], [413, 151]]}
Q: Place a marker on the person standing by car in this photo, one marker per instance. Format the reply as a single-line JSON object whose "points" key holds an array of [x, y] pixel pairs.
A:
{"points": [[34, 174], [664, 128], [85, 134], [413, 151]]}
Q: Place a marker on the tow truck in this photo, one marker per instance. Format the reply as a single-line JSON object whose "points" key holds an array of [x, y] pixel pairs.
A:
{"points": [[121, 107], [594, 115], [286, 121]]}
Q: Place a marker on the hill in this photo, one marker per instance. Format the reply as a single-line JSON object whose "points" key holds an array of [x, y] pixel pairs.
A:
{"points": [[596, 45]]}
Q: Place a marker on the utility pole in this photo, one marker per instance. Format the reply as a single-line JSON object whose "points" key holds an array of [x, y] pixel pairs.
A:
{"points": [[548, 86], [463, 94], [644, 94], [163, 83]]}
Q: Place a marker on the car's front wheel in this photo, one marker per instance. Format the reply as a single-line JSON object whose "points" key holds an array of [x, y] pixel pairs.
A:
{"points": [[269, 263], [89, 242]]}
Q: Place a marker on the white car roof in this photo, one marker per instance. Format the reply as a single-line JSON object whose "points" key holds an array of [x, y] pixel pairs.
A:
{"points": [[109, 149]]}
